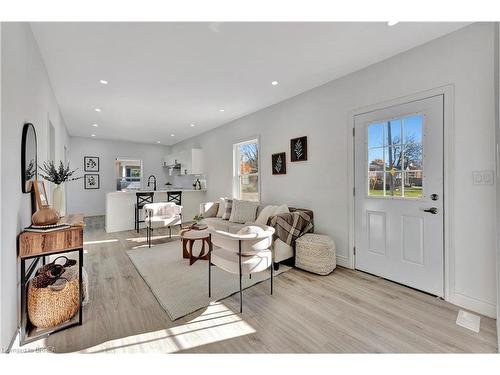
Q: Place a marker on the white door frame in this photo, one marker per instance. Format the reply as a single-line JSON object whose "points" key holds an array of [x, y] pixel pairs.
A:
{"points": [[448, 125]]}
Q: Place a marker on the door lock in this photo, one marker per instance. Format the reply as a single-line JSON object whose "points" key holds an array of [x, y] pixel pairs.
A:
{"points": [[434, 197], [432, 210]]}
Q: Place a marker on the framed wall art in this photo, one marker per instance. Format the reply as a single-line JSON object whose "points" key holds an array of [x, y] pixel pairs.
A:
{"points": [[298, 149], [91, 164], [279, 163], [91, 181]]}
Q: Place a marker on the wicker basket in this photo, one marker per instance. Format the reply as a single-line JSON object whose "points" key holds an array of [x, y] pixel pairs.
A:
{"points": [[48, 308]]}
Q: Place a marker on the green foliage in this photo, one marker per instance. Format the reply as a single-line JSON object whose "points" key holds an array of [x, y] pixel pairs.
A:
{"points": [[58, 175], [198, 218]]}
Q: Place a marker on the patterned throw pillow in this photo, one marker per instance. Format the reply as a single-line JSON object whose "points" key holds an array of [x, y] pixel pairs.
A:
{"points": [[222, 205], [243, 211], [228, 205]]}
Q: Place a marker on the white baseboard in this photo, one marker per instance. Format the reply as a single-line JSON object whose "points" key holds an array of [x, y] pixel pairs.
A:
{"points": [[473, 304], [343, 261]]}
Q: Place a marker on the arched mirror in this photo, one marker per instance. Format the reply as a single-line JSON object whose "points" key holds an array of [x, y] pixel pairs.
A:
{"points": [[28, 158]]}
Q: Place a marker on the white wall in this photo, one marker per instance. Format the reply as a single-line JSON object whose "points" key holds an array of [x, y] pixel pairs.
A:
{"points": [[464, 59], [26, 97], [497, 121], [92, 202], [2, 349]]}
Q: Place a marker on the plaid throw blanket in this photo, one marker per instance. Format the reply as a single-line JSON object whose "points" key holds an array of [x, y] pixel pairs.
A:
{"points": [[290, 226]]}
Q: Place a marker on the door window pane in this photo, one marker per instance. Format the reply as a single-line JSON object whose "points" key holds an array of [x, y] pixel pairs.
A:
{"points": [[413, 129], [394, 133], [395, 165], [376, 135]]}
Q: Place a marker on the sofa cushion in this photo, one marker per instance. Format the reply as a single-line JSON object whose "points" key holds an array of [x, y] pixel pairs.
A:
{"points": [[283, 209], [228, 206], [264, 214], [216, 223], [211, 209], [243, 211], [221, 208]]}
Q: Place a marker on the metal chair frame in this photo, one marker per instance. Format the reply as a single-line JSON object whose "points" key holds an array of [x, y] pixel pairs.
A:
{"points": [[240, 273]]}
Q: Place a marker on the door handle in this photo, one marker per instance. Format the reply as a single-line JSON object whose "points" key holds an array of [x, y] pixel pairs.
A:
{"points": [[432, 210]]}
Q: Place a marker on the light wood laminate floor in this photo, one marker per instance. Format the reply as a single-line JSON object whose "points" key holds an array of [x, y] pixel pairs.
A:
{"points": [[345, 312]]}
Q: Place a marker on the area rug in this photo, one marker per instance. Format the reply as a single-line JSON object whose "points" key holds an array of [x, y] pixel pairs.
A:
{"points": [[180, 288]]}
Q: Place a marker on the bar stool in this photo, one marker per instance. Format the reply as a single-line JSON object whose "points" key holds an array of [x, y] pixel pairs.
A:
{"points": [[141, 200], [175, 196]]}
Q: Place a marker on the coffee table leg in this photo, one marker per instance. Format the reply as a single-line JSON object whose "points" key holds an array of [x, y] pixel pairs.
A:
{"points": [[185, 253]]}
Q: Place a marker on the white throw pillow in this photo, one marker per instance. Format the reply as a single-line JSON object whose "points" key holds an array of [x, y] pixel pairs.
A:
{"points": [[251, 229], [243, 211], [211, 209], [283, 209], [222, 207], [265, 214]]}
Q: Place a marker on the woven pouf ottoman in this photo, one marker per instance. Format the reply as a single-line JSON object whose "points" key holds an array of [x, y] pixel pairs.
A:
{"points": [[315, 253]]}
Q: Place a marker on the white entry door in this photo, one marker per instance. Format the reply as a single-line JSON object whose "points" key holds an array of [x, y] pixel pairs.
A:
{"points": [[399, 194]]}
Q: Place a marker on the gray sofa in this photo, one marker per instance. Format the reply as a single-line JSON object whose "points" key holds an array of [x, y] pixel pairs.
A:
{"points": [[282, 251]]}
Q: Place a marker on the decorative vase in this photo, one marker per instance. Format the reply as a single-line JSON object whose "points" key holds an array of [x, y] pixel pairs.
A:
{"points": [[58, 199], [45, 216]]}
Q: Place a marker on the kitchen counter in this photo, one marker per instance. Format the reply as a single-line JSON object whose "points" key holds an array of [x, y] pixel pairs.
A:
{"points": [[120, 206], [157, 191]]}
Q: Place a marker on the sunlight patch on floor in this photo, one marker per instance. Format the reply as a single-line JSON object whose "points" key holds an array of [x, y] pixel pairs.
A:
{"points": [[100, 241], [216, 323], [144, 239]]}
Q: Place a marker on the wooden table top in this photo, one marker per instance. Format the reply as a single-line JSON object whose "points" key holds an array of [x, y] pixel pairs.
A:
{"points": [[193, 234]]}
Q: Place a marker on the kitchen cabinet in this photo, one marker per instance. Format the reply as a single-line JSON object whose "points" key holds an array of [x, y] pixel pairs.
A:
{"points": [[191, 161]]}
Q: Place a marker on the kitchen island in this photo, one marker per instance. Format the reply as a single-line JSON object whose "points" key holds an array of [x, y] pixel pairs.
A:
{"points": [[120, 206]]}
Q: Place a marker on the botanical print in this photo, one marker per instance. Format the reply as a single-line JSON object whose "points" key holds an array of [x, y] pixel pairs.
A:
{"points": [[91, 164], [279, 163], [298, 149], [91, 181]]}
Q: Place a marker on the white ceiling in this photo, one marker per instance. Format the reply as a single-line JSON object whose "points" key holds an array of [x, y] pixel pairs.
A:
{"points": [[165, 76]]}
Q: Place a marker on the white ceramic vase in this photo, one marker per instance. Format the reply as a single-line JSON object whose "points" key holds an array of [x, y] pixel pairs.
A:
{"points": [[59, 200]]}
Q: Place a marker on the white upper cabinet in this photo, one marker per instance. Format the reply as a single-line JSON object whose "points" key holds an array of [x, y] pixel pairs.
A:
{"points": [[197, 166], [191, 161]]}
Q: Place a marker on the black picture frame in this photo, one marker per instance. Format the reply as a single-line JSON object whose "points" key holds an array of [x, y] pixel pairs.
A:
{"points": [[91, 164], [29, 168], [298, 149], [278, 163], [88, 184]]}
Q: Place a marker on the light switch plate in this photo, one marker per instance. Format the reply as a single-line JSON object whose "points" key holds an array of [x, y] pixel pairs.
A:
{"points": [[482, 177], [468, 320]]}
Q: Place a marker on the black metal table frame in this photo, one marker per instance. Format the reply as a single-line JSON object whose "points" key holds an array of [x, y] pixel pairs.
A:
{"points": [[25, 277]]}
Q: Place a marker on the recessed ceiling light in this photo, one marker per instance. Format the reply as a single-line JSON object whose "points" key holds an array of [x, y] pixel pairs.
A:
{"points": [[92, 135], [97, 109], [103, 81], [95, 125], [221, 110], [172, 135], [274, 83], [392, 23], [192, 125], [158, 141]]}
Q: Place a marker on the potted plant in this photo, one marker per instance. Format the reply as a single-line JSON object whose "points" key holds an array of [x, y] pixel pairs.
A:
{"points": [[58, 176]]}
